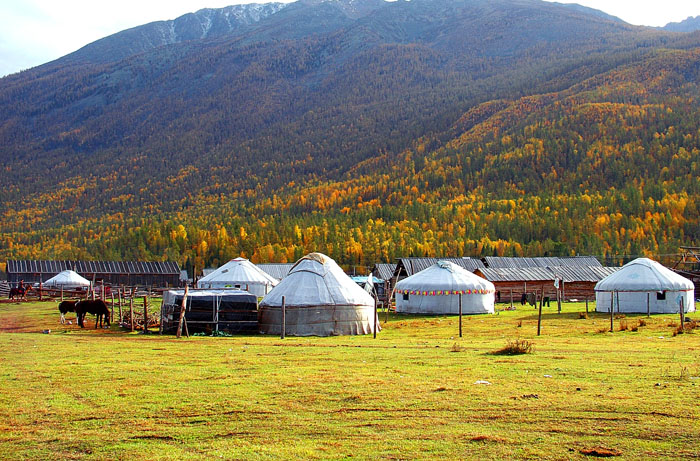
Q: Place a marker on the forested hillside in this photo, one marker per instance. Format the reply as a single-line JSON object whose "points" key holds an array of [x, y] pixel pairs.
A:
{"points": [[431, 127]]}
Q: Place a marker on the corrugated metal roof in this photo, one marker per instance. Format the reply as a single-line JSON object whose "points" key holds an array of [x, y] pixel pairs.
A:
{"points": [[583, 273], [415, 265], [517, 274], [384, 271], [528, 274], [573, 261], [99, 267], [278, 271]]}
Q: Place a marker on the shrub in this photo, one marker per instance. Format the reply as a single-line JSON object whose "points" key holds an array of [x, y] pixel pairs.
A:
{"points": [[642, 323], [583, 315], [623, 325], [517, 347]]}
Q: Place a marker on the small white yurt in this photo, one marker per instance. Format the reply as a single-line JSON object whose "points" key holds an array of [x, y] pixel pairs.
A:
{"points": [[67, 279], [320, 300], [436, 290], [645, 281], [240, 274]]}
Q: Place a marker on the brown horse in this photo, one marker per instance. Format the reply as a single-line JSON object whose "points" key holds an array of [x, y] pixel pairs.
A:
{"points": [[20, 292], [96, 307]]}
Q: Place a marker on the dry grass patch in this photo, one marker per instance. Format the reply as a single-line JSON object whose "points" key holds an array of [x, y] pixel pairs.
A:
{"points": [[600, 452], [516, 347]]}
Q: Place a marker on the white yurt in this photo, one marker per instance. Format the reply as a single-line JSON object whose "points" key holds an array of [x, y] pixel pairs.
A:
{"points": [[320, 300], [436, 290], [645, 281], [240, 274], [67, 279]]}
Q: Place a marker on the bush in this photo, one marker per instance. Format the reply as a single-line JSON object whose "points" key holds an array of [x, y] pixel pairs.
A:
{"points": [[517, 347]]}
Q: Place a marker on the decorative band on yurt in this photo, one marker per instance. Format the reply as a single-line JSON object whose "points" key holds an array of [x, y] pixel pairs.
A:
{"points": [[444, 292]]}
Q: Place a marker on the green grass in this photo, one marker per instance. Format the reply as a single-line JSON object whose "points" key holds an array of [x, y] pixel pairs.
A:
{"points": [[409, 394]]}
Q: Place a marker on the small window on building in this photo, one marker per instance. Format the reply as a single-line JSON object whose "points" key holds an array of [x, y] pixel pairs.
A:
{"points": [[238, 287], [405, 296], [660, 295]]}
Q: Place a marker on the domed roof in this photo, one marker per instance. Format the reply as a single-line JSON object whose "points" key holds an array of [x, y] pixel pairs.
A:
{"points": [[445, 276], [238, 270], [643, 274], [67, 278], [316, 280]]}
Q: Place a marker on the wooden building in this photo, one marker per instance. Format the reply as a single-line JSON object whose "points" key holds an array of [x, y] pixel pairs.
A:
{"points": [[575, 282], [128, 273]]}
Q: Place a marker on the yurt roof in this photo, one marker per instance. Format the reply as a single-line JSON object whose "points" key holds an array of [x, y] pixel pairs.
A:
{"points": [[316, 280], [444, 276], [643, 274], [239, 270], [67, 278]]}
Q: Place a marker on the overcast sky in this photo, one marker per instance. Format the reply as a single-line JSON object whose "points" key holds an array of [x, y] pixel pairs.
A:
{"points": [[33, 32]]}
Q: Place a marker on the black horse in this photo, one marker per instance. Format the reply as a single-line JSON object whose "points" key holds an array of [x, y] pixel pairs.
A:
{"points": [[64, 307], [95, 307], [19, 292]]}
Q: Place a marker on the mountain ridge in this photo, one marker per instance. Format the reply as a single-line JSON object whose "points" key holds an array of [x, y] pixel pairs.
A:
{"points": [[273, 123]]}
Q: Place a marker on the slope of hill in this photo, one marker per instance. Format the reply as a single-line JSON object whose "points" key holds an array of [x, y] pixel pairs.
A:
{"points": [[320, 120]]}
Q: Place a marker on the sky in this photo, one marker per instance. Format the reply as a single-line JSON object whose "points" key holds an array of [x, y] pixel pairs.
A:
{"points": [[33, 32]]}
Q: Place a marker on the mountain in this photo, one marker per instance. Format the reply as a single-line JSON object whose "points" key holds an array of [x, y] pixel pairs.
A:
{"points": [[689, 24], [358, 128], [204, 24]]}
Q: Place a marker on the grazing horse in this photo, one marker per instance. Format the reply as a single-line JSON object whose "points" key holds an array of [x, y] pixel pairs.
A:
{"points": [[95, 307], [19, 292], [64, 307]]}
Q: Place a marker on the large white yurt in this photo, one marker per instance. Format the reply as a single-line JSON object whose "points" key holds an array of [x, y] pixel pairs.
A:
{"points": [[240, 274], [67, 279], [320, 300], [645, 281], [436, 290]]}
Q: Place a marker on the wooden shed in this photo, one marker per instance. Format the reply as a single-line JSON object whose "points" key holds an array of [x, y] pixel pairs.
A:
{"points": [[384, 272], [129, 273], [575, 282]]}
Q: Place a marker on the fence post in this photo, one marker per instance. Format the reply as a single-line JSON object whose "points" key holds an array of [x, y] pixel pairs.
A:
{"points": [[374, 320], [559, 296], [460, 314], [539, 320], [182, 313], [119, 294], [682, 316], [145, 314], [612, 308], [131, 313], [511, 299], [648, 307], [284, 318]]}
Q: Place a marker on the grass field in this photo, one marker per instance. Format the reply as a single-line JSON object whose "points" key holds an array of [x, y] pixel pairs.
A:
{"points": [[410, 394]]}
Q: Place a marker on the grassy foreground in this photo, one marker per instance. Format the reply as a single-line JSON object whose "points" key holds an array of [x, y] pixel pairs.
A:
{"points": [[412, 393]]}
